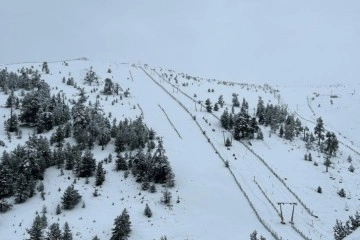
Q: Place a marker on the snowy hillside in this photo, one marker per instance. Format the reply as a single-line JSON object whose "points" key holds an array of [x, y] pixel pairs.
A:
{"points": [[220, 191]]}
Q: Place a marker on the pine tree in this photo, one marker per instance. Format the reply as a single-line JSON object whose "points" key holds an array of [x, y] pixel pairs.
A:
{"points": [[260, 111], [235, 100], [22, 189], [11, 124], [208, 105], [87, 164], [67, 235], [216, 107], [342, 193], [339, 231], [5, 205], [331, 142], [54, 232], [122, 228], [319, 129], [108, 87], [10, 102], [120, 163], [281, 131], [166, 198], [70, 198], [36, 230], [58, 209], [327, 162], [221, 101], [224, 119], [100, 174], [147, 211]]}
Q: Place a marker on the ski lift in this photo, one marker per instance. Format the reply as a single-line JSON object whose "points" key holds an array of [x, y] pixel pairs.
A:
{"points": [[346, 207], [340, 181]]}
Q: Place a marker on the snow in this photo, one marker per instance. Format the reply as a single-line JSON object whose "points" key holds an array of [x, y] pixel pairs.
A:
{"points": [[303, 54]]}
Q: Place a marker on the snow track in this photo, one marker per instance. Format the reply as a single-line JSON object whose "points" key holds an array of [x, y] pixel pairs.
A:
{"points": [[266, 214], [244, 171], [198, 170]]}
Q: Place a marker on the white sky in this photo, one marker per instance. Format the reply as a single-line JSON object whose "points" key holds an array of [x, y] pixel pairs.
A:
{"points": [[241, 40]]}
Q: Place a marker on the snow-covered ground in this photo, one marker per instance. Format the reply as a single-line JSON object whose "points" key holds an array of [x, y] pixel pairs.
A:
{"points": [[302, 54]]}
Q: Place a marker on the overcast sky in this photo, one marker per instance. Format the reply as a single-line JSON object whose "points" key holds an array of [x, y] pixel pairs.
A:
{"points": [[307, 41]]}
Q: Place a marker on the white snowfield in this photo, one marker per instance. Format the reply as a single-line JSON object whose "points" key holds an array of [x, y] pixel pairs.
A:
{"points": [[216, 202]]}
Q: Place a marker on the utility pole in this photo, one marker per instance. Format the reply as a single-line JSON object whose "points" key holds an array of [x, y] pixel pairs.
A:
{"points": [[292, 214], [223, 132], [281, 214]]}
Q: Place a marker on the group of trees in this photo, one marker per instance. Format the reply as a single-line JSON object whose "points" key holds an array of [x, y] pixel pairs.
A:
{"points": [[288, 127], [38, 108], [37, 231], [22, 169], [131, 135], [341, 230], [148, 167], [89, 123], [241, 123]]}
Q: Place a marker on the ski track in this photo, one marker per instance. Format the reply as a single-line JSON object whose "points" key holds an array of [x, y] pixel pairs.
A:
{"points": [[306, 223], [257, 197], [189, 133]]}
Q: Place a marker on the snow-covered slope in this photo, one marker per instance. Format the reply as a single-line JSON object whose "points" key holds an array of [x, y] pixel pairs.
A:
{"points": [[214, 201]]}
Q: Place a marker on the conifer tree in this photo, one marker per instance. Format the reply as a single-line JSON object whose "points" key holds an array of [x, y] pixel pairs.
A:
{"points": [[319, 130], [224, 119], [216, 107], [70, 198], [235, 100], [5, 205], [327, 162], [54, 232], [120, 163], [67, 235], [36, 230], [147, 211], [122, 228], [87, 164], [58, 209], [100, 174], [221, 101], [339, 231], [208, 105], [166, 198]]}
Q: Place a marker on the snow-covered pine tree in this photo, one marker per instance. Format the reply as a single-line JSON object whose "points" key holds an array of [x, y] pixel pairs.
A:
{"points": [[54, 232], [87, 164], [216, 107], [36, 230], [120, 163], [99, 175], [221, 101], [235, 100], [167, 196], [147, 211], [70, 198], [67, 234], [122, 228], [224, 119], [260, 111], [319, 130], [5, 205], [339, 230]]}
